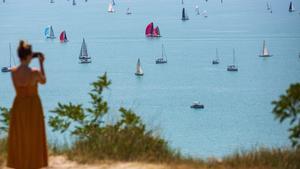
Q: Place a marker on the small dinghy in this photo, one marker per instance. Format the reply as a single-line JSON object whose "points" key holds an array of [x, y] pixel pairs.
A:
{"points": [[63, 37], [184, 16], [110, 8], [197, 105], [83, 55], [291, 7], [49, 33], [233, 67], [128, 12], [204, 13], [8, 68], [163, 58], [151, 31], [265, 51], [216, 60], [139, 70], [197, 10]]}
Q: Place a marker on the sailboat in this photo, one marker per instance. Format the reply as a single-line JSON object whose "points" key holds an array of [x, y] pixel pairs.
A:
{"points": [[291, 7], [83, 55], [268, 6], [216, 61], [49, 33], [162, 59], [74, 3], [139, 70], [265, 51], [63, 37], [204, 13], [110, 8], [151, 31], [51, 1], [197, 10], [233, 67], [184, 16], [182, 2], [128, 12], [8, 68], [271, 11]]}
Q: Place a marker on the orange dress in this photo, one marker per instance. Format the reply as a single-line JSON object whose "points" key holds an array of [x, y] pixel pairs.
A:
{"points": [[27, 146]]}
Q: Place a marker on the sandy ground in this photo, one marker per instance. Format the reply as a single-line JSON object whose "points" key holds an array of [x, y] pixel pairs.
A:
{"points": [[60, 162]]}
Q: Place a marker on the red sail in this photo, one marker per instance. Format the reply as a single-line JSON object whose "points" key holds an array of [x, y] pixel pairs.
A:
{"points": [[149, 29], [156, 32], [62, 36]]}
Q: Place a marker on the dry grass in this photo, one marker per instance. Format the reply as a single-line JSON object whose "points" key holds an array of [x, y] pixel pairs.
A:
{"points": [[3, 143], [262, 158]]}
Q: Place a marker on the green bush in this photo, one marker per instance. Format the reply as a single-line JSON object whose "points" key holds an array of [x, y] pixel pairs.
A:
{"points": [[127, 139]]}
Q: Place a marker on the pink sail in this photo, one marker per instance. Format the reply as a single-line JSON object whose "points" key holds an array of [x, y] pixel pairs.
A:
{"points": [[149, 30], [156, 32], [63, 36]]}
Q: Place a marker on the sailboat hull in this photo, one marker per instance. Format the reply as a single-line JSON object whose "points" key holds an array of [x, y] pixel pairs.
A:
{"points": [[5, 69], [161, 61], [215, 62], [85, 61], [232, 68], [139, 74], [265, 55]]}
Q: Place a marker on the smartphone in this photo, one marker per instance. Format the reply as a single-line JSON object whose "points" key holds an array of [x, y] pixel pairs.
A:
{"points": [[36, 54]]}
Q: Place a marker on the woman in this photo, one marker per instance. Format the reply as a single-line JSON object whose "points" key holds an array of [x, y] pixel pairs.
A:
{"points": [[27, 147]]}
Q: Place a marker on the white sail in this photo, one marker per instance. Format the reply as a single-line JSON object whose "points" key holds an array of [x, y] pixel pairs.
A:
{"points": [[204, 13], [265, 51], [128, 12], [110, 8], [291, 7], [83, 51], [51, 35], [139, 69], [197, 10]]}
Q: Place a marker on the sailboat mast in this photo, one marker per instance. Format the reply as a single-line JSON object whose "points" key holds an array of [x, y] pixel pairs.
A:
{"points": [[162, 51], [233, 57], [264, 45], [9, 55]]}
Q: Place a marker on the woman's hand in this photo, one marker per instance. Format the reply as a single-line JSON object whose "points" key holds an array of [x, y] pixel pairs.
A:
{"points": [[41, 58]]}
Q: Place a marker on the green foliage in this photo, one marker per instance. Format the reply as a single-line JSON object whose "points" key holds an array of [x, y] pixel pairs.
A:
{"points": [[4, 120], [85, 121], [127, 139], [288, 108]]}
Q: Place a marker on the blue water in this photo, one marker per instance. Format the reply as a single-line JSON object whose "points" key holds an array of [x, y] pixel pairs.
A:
{"points": [[237, 112]]}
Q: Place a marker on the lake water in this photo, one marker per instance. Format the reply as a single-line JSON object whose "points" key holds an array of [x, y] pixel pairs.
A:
{"points": [[237, 112]]}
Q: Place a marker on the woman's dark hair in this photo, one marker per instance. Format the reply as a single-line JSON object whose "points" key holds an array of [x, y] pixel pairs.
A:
{"points": [[24, 50]]}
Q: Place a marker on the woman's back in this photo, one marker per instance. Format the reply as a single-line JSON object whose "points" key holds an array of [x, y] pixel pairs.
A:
{"points": [[24, 81]]}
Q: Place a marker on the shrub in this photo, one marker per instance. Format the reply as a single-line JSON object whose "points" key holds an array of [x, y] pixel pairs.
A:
{"points": [[127, 139]]}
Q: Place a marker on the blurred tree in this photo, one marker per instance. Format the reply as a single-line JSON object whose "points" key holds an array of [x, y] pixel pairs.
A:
{"points": [[288, 108]]}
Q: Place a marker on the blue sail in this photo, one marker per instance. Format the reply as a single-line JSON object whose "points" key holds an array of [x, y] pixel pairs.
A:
{"points": [[47, 32]]}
